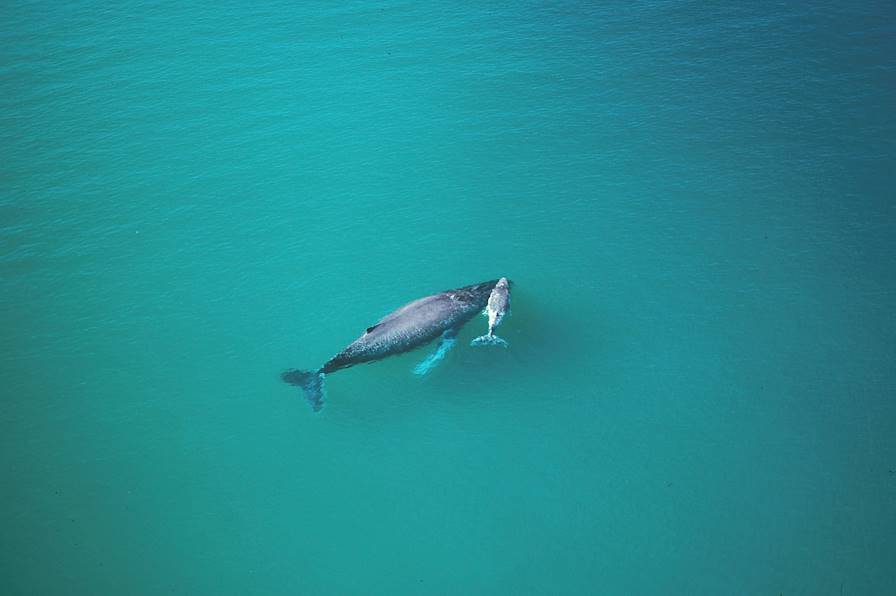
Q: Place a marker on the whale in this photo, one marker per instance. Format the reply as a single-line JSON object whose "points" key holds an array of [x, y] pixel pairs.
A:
{"points": [[411, 326], [497, 308]]}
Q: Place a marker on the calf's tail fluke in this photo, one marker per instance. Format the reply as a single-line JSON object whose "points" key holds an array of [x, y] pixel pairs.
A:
{"points": [[311, 382], [489, 340]]}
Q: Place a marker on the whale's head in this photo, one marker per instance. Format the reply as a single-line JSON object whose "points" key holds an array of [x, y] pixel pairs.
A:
{"points": [[479, 293]]}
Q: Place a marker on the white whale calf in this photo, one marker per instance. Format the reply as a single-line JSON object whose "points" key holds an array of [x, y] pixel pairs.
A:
{"points": [[497, 308]]}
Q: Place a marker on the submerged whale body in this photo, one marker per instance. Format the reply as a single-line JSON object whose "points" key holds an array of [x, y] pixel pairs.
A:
{"points": [[411, 326]]}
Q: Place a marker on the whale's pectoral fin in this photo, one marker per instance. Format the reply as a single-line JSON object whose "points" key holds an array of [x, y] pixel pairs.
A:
{"points": [[445, 344]]}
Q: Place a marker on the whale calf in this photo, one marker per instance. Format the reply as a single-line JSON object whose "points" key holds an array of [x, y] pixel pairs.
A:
{"points": [[411, 326], [497, 308]]}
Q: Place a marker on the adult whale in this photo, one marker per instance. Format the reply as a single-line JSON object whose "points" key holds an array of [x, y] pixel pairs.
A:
{"points": [[411, 326]]}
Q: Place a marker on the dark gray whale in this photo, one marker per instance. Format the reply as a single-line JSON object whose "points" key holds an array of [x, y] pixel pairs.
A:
{"points": [[411, 326]]}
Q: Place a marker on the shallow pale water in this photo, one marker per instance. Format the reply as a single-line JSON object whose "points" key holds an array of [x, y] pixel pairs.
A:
{"points": [[695, 205]]}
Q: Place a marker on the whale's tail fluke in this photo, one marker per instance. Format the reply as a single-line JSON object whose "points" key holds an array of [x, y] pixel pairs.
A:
{"points": [[311, 382], [489, 340]]}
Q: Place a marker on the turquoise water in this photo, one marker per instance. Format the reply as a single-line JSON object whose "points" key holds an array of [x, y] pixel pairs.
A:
{"points": [[695, 205]]}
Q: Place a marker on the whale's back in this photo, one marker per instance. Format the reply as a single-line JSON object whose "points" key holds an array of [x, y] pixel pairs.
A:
{"points": [[411, 326]]}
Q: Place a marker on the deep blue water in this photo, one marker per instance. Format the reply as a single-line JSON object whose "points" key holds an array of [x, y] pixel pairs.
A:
{"points": [[695, 204]]}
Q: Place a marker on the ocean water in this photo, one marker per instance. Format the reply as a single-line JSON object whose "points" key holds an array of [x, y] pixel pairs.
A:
{"points": [[695, 204]]}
